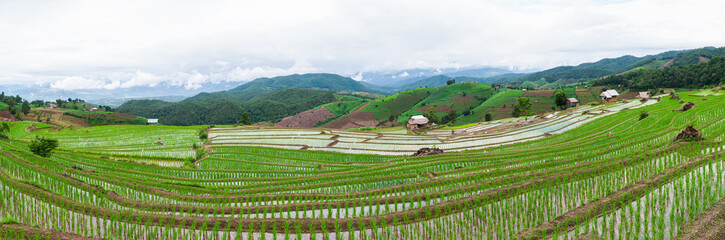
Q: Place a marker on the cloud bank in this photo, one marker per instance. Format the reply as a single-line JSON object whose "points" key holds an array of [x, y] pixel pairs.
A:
{"points": [[121, 44]]}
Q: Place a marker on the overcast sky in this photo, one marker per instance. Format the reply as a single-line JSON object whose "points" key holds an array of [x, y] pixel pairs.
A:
{"points": [[121, 44]]}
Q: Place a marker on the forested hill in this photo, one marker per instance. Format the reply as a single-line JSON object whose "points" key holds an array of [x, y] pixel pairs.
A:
{"points": [[266, 99], [267, 106], [438, 81], [318, 81], [609, 66], [709, 73]]}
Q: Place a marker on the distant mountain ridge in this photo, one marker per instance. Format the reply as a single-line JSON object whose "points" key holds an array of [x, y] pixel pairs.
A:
{"points": [[610, 66], [317, 81], [266, 99], [394, 79]]}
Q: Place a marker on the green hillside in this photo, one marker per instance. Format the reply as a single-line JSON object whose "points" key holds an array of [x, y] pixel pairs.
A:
{"points": [[438, 81], [499, 106], [471, 102], [458, 97], [260, 86], [269, 107], [689, 76], [344, 104], [397, 104], [610, 66], [266, 99]]}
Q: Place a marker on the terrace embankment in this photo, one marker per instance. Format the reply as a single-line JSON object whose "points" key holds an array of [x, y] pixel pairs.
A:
{"points": [[22, 231], [613, 201], [709, 225], [403, 217]]}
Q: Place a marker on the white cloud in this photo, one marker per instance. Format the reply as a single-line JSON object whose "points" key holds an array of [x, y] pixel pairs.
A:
{"points": [[76, 82], [142, 79], [404, 74], [193, 80], [241, 40], [358, 76]]}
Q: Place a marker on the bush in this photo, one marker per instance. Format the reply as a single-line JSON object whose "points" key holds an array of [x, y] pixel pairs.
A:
{"points": [[4, 129], [488, 117], [643, 115], [42, 146], [203, 134]]}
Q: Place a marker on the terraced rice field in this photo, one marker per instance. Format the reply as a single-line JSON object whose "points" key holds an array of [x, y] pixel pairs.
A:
{"points": [[479, 136], [611, 176]]}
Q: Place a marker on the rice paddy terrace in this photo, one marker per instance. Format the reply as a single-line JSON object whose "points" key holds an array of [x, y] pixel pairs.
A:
{"points": [[593, 172]]}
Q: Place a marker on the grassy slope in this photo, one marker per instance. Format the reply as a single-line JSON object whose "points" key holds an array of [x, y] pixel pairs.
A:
{"points": [[344, 105], [451, 96], [493, 105], [398, 103]]}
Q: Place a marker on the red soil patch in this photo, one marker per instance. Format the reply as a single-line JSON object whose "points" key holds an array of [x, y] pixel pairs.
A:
{"points": [[539, 93], [74, 120], [32, 232], [5, 115], [306, 119], [125, 115], [342, 123], [702, 59], [33, 128], [361, 116], [628, 95], [668, 64], [355, 119]]}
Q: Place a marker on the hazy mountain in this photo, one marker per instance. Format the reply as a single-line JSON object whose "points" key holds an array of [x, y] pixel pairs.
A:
{"points": [[403, 77], [115, 102], [318, 81], [113, 95], [610, 66]]}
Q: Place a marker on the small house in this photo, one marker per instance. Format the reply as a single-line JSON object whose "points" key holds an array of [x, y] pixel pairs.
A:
{"points": [[572, 102], [417, 122], [152, 121], [609, 95], [94, 109], [642, 95], [52, 105]]}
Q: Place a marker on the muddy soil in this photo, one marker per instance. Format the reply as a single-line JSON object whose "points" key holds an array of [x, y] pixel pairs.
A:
{"points": [[30, 232]]}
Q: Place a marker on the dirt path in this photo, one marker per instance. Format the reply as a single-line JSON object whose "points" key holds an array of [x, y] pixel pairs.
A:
{"points": [[22, 231]]}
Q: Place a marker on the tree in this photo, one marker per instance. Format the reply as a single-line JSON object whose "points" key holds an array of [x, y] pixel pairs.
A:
{"points": [[25, 108], [4, 129], [452, 81], [450, 117], [522, 108], [245, 119], [38, 103], [42, 146], [488, 117], [431, 115], [391, 118], [560, 98]]}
